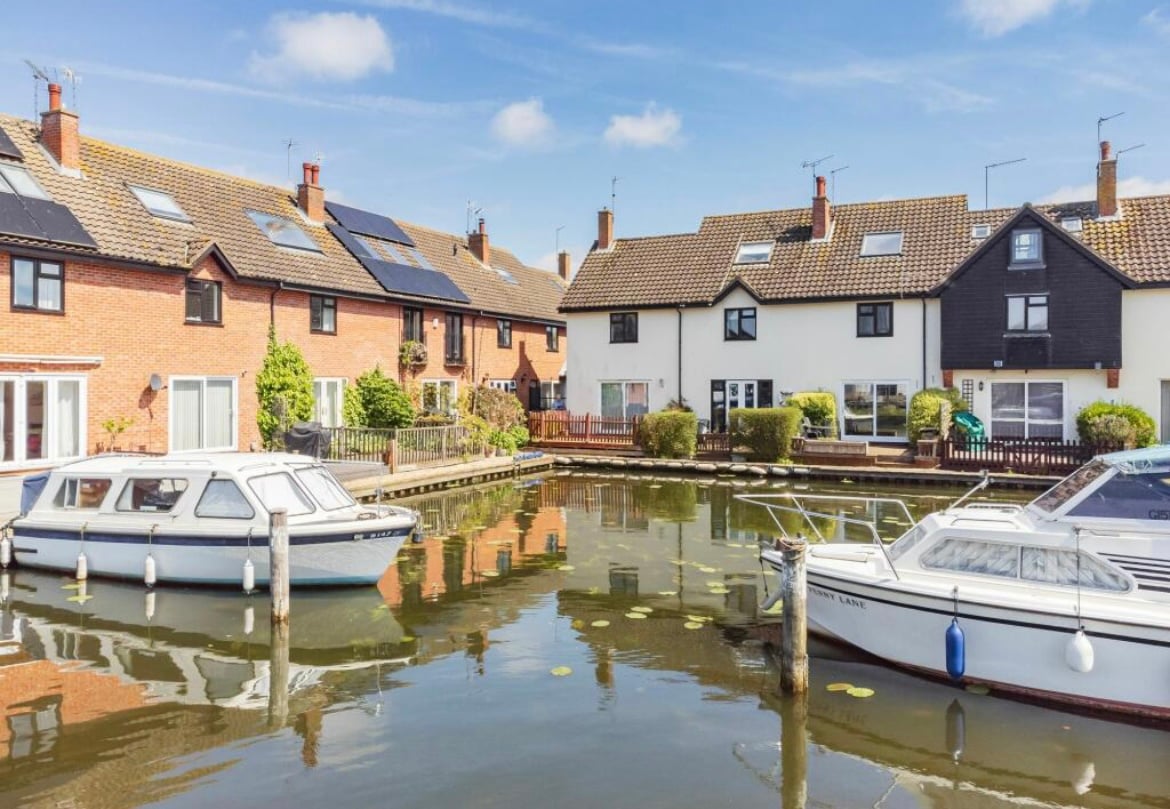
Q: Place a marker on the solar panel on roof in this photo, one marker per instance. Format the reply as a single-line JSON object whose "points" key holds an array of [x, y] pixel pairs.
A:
{"points": [[401, 278], [356, 220], [41, 219], [8, 148]]}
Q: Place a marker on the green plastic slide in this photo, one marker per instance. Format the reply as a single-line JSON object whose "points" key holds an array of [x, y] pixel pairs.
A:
{"points": [[970, 427]]}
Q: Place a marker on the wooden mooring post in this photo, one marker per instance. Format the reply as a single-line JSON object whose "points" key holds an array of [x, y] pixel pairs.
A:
{"points": [[794, 594], [278, 579]]}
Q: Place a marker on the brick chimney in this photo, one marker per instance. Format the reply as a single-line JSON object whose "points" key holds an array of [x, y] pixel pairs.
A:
{"points": [[59, 132], [310, 194], [1107, 182], [604, 229], [822, 216], [479, 245], [564, 265]]}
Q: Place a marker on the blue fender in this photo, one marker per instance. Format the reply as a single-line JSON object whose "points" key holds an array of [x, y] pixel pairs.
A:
{"points": [[956, 650]]}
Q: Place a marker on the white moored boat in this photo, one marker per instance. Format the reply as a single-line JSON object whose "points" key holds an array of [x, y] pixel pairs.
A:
{"points": [[199, 518], [1064, 599]]}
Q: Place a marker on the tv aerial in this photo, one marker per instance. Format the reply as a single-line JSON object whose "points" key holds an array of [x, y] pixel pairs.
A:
{"points": [[833, 180], [39, 74], [812, 165]]}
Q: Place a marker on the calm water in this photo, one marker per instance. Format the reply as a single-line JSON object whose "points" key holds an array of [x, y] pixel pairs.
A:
{"points": [[436, 689]]}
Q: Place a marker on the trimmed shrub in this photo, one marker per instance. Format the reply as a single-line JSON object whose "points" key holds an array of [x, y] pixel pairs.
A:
{"points": [[1112, 431], [499, 408], [766, 433], [384, 401], [353, 413], [433, 420], [818, 406], [669, 434], [931, 409], [520, 435], [284, 388], [1145, 431]]}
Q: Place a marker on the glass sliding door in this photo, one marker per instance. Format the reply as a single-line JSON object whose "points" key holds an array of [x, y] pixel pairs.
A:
{"points": [[624, 400], [203, 414], [1027, 410], [42, 419], [875, 410]]}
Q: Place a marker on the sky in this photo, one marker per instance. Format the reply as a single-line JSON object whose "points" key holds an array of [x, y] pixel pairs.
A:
{"points": [[529, 109]]}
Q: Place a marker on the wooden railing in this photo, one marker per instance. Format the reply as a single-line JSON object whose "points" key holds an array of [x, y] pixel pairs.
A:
{"points": [[714, 443], [1028, 456], [411, 447], [563, 429]]}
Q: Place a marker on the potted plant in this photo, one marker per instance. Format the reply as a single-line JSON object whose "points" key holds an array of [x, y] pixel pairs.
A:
{"points": [[114, 427], [412, 355]]}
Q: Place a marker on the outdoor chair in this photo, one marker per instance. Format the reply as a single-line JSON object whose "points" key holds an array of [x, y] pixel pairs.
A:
{"points": [[810, 430]]}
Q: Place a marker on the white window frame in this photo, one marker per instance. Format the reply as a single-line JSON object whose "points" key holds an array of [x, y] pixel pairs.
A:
{"points": [[440, 383], [506, 385], [625, 383], [49, 430], [339, 401], [747, 249], [980, 232], [203, 380], [1028, 422], [1027, 262], [872, 434], [870, 243]]}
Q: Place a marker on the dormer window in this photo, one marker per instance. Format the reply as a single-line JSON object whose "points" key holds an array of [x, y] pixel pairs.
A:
{"points": [[754, 253], [1073, 224], [882, 244], [283, 232], [1027, 248], [159, 203], [980, 232]]}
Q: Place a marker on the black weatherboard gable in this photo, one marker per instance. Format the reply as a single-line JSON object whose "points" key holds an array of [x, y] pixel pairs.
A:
{"points": [[8, 148], [356, 220], [401, 278]]}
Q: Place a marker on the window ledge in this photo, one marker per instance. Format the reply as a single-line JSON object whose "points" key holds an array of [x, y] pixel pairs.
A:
{"points": [[1026, 265], [1007, 335], [217, 324], [324, 332], [868, 336], [36, 310]]}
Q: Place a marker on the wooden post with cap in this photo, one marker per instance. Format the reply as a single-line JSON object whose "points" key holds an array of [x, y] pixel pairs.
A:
{"points": [[794, 589], [278, 574]]}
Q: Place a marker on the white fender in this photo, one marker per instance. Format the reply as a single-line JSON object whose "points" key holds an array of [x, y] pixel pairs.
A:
{"points": [[1079, 653]]}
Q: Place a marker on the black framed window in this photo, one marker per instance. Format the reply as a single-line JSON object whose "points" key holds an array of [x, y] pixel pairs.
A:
{"points": [[1027, 313], [503, 333], [875, 320], [323, 314], [552, 338], [623, 327], [38, 285], [739, 324], [412, 324], [453, 339], [1027, 248], [203, 301]]}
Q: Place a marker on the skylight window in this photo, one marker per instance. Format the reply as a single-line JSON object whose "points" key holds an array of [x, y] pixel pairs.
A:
{"points": [[17, 180], [882, 244], [283, 232], [980, 231], [394, 254], [754, 253], [507, 276], [368, 246], [1073, 224], [422, 262], [159, 203]]}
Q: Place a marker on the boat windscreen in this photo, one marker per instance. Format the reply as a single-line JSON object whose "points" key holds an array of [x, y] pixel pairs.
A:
{"points": [[1128, 497], [279, 490], [1071, 486], [325, 488]]}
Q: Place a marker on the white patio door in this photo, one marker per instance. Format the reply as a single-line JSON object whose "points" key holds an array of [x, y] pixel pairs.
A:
{"points": [[741, 393], [41, 419], [203, 414]]}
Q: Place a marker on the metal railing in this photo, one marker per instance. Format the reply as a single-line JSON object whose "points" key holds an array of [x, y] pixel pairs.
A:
{"points": [[411, 447]]}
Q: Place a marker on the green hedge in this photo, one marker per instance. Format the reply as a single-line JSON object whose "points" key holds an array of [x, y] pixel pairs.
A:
{"points": [[766, 433], [1144, 429], [669, 434], [818, 406], [931, 409]]}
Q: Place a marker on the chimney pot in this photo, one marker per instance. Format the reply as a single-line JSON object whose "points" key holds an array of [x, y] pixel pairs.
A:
{"points": [[316, 174], [1106, 150], [310, 195], [822, 215], [479, 244], [1106, 182], [54, 97], [820, 186], [307, 168], [59, 131], [482, 227], [564, 265], [604, 229]]}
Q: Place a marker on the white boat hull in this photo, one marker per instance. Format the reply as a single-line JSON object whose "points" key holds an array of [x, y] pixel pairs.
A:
{"points": [[336, 558], [1007, 646]]}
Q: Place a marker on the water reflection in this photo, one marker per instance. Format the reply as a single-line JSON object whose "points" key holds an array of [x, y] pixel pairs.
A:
{"points": [[646, 590]]}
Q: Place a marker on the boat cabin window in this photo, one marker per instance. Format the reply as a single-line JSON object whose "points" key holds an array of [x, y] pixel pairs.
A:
{"points": [[223, 498], [87, 493], [1071, 486], [279, 490], [974, 556], [151, 494], [906, 542], [325, 488], [1129, 497], [1053, 566]]}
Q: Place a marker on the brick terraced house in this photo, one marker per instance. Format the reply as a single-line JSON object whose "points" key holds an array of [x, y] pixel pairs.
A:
{"points": [[1032, 312], [142, 289]]}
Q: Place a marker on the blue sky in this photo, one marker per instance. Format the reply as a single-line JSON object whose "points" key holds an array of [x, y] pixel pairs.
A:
{"points": [[529, 108]]}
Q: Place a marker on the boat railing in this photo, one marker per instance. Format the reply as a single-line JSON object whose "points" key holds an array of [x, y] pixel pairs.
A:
{"points": [[807, 507], [1005, 508]]}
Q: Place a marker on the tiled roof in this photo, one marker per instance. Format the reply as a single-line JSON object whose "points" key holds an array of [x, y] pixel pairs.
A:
{"points": [[697, 267], [216, 204]]}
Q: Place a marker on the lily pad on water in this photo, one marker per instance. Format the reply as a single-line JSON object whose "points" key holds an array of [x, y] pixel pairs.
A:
{"points": [[716, 584], [561, 671], [491, 573], [80, 598], [668, 592], [637, 616], [860, 693], [407, 639], [600, 624], [719, 591], [71, 586], [978, 689], [699, 618], [838, 686], [642, 609], [566, 567], [577, 623], [694, 625]]}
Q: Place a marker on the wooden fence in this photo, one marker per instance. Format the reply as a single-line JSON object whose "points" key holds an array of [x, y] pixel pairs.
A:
{"points": [[405, 448], [1028, 456], [559, 428]]}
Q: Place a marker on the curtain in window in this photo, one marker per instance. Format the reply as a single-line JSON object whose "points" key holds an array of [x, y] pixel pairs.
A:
{"points": [[637, 399], [7, 419], [35, 420], [973, 556], [187, 419], [67, 419], [218, 412], [612, 405]]}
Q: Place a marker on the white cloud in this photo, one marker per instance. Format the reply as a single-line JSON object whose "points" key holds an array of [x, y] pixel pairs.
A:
{"points": [[1159, 21], [523, 123], [654, 127], [1129, 187], [996, 17], [342, 46], [488, 17]]}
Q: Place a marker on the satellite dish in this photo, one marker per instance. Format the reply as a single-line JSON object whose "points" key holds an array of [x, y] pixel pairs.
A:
{"points": [[155, 383]]}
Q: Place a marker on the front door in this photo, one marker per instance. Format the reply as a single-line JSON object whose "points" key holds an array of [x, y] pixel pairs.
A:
{"points": [[1166, 411]]}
